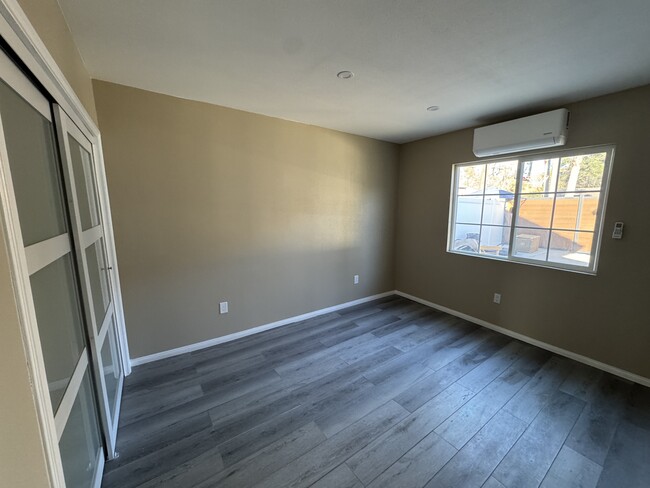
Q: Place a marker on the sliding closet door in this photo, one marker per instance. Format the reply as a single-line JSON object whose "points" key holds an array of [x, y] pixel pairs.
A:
{"points": [[89, 242], [28, 153]]}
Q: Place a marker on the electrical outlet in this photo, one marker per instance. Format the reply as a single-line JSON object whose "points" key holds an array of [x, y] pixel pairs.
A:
{"points": [[497, 298], [223, 307], [356, 279]]}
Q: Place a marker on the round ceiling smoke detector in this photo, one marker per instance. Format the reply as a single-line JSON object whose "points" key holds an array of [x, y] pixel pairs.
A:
{"points": [[433, 108], [345, 75]]}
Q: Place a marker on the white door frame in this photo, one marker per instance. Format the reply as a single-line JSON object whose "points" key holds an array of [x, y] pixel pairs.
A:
{"points": [[18, 260], [33, 258], [20, 35], [98, 327]]}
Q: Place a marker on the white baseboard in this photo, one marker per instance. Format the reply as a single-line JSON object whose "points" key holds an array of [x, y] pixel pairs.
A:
{"points": [[516, 335], [549, 347], [254, 330]]}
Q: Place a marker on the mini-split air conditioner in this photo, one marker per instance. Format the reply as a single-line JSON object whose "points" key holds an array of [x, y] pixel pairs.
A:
{"points": [[535, 132]]}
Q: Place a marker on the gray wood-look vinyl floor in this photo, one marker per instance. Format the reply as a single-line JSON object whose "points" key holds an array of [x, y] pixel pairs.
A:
{"points": [[387, 394]]}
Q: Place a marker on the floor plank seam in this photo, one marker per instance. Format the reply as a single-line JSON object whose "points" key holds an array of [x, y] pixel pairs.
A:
{"points": [[305, 393]]}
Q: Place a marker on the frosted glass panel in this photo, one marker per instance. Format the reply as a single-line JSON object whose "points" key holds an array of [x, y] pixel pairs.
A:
{"points": [[111, 367], [34, 168], [98, 273], [84, 179], [59, 323], [80, 441]]}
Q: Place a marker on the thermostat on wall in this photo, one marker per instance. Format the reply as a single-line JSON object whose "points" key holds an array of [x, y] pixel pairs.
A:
{"points": [[618, 230]]}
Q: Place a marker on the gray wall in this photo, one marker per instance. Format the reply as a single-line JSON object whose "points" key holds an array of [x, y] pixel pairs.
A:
{"points": [[603, 317], [213, 204]]}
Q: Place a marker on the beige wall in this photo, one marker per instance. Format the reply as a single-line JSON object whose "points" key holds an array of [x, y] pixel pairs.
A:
{"points": [[22, 460], [603, 317], [213, 204], [48, 20]]}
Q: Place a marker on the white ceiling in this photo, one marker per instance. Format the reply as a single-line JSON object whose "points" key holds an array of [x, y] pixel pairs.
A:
{"points": [[479, 60]]}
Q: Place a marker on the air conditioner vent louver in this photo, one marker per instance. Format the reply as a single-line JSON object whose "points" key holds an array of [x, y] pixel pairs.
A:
{"points": [[535, 132]]}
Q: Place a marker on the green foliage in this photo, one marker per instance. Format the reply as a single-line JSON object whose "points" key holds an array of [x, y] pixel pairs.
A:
{"points": [[501, 176], [471, 178], [590, 175]]}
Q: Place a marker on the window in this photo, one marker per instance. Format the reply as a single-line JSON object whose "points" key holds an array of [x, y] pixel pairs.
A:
{"points": [[541, 209]]}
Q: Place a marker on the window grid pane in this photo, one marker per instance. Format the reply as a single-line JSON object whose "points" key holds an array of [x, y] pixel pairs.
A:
{"points": [[531, 244], [501, 177], [577, 211], [495, 240], [466, 238], [534, 210], [496, 210], [558, 208], [582, 172], [468, 209], [539, 176], [471, 179]]}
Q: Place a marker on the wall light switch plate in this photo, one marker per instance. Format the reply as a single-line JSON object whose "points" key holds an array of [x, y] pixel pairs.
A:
{"points": [[223, 307], [497, 298], [356, 279]]}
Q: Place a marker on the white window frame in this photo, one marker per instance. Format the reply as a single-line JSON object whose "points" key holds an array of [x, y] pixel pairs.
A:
{"points": [[609, 149]]}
